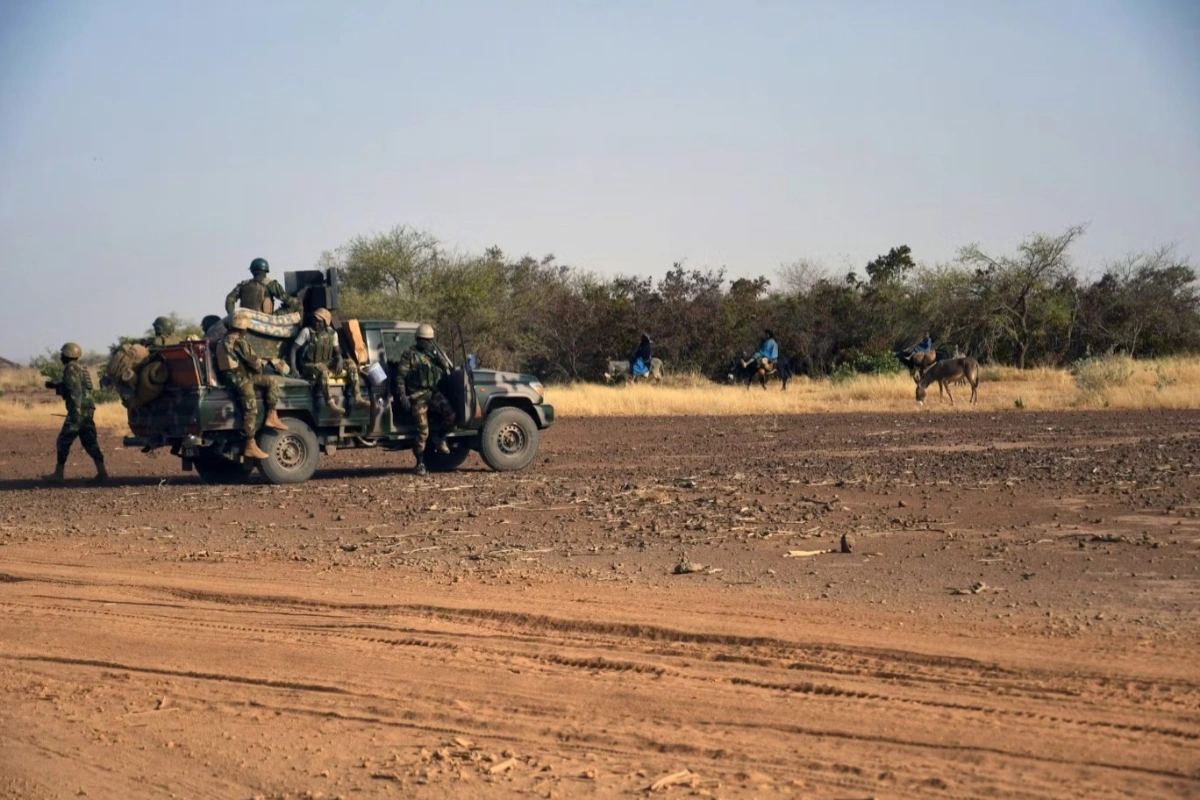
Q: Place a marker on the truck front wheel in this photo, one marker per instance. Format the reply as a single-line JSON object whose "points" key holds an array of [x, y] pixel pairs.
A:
{"points": [[509, 440], [292, 455]]}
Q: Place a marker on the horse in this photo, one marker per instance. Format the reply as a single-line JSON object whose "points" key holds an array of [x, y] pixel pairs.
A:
{"points": [[619, 368], [918, 361], [751, 369], [945, 373]]}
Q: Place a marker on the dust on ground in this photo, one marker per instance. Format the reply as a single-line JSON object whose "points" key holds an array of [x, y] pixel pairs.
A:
{"points": [[657, 607]]}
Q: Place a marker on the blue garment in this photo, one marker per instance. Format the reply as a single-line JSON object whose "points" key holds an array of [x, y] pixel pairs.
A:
{"points": [[768, 349], [925, 346], [640, 368]]}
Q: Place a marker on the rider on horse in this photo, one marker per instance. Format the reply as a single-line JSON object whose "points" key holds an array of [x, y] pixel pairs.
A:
{"points": [[925, 346], [639, 362], [767, 354]]}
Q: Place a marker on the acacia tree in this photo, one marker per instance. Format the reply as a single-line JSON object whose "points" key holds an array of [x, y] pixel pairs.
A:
{"points": [[388, 274], [1024, 294], [1144, 304]]}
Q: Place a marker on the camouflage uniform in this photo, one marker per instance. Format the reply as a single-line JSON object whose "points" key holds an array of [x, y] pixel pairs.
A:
{"points": [[420, 373], [259, 295], [76, 390], [242, 371], [164, 334], [319, 350]]}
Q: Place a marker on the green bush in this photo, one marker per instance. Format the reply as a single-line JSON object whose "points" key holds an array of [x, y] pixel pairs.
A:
{"points": [[1097, 374], [101, 396], [48, 364], [842, 373], [1162, 379]]}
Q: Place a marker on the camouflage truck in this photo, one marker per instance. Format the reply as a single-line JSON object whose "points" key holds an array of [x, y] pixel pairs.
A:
{"points": [[498, 414]]}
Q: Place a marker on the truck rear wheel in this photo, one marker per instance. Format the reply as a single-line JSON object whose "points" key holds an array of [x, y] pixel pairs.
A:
{"points": [[292, 455], [509, 440], [214, 469]]}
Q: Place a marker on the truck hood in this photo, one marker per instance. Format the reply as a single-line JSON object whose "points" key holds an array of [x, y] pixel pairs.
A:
{"points": [[492, 377]]}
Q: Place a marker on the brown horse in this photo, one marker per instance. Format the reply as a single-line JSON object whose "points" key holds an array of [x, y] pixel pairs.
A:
{"points": [[945, 373], [917, 362], [749, 370]]}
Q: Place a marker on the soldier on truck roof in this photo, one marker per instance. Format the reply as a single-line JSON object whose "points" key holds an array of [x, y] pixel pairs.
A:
{"points": [[260, 292]]}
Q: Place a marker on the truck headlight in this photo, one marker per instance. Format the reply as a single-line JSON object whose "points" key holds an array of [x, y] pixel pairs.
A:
{"points": [[539, 388]]}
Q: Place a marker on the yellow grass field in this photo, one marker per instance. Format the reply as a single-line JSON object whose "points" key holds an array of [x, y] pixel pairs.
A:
{"points": [[1111, 382]]}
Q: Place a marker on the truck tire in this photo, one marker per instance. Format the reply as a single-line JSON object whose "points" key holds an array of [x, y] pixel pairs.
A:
{"points": [[446, 462], [292, 455], [509, 440], [215, 470]]}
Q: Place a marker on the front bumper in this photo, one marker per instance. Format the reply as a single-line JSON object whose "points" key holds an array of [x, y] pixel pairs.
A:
{"points": [[545, 415]]}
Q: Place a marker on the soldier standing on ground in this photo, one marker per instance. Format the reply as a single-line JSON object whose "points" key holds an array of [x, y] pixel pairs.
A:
{"points": [[242, 371], [414, 385], [320, 358], [76, 391], [259, 293]]}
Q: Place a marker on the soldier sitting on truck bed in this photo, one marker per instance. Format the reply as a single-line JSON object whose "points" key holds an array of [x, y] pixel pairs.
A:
{"points": [[420, 370], [164, 333], [242, 371], [260, 293], [318, 356]]}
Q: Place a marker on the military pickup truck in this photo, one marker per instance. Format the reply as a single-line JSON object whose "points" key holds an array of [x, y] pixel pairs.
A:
{"points": [[498, 414]]}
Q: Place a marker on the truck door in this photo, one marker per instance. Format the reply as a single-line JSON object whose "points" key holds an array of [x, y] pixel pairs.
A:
{"points": [[460, 391]]}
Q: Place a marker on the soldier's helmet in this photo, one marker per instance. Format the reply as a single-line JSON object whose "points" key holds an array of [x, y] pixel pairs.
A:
{"points": [[240, 321], [259, 265], [323, 315], [208, 322], [164, 326], [71, 350], [425, 331]]}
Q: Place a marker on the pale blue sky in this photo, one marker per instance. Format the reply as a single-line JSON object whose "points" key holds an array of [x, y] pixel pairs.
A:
{"points": [[149, 149]]}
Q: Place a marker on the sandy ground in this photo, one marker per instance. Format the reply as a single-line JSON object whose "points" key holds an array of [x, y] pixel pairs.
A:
{"points": [[1018, 617]]}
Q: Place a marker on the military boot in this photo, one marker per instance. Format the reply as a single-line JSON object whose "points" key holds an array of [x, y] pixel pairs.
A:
{"points": [[56, 476], [101, 472], [335, 407], [273, 421], [253, 450], [440, 445], [421, 466], [358, 401]]}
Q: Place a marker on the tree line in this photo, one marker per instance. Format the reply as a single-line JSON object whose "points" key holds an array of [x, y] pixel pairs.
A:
{"points": [[1030, 307]]}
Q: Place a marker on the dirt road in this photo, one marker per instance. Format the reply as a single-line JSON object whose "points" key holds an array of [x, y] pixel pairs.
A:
{"points": [[1017, 617]]}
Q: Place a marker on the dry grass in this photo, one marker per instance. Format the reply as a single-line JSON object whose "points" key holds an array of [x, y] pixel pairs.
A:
{"points": [[1113, 382], [1167, 383], [21, 381], [49, 412]]}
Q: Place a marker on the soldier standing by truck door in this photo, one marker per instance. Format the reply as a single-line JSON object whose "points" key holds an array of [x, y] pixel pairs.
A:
{"points": [[320, 358], [76, 390], [259, 293], [242, 372], [421, 369]]}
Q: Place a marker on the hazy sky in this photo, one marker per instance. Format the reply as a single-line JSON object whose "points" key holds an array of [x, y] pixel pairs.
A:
{"points": [[149, 149]]}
